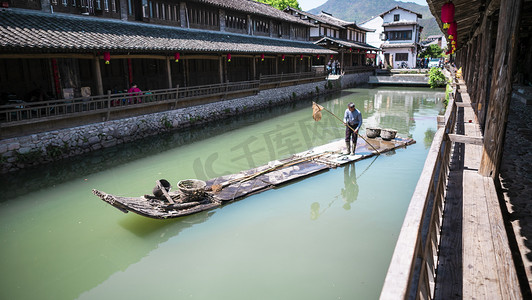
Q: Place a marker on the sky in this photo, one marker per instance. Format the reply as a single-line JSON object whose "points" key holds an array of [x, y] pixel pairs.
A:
{"points": [[310, 4]]}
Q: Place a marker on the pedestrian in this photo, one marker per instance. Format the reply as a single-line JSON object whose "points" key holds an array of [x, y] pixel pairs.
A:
{"points": [[334, 67], [134, 90], [353, 118]]}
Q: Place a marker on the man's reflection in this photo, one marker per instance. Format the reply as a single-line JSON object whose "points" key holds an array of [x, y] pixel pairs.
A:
{"points": [[350, 190]]}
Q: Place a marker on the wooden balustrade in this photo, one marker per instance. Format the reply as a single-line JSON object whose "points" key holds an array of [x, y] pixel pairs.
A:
{"points": [[67, 108], [412, 270], [269, 81]]}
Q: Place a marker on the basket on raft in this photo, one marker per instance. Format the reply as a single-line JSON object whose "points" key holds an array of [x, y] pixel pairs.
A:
{"points": [[388, 134], [373, 132], [191, 189]]}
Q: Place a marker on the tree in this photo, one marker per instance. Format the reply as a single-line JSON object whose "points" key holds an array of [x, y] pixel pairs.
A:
{"points": [[282, 4], [433, 51]]}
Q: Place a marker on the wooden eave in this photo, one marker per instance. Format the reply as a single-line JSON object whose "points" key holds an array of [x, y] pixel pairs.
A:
{"points": [[469, 16]]}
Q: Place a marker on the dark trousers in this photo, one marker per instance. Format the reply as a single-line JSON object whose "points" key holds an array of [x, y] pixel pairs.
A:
{"points": [[350, 134]]}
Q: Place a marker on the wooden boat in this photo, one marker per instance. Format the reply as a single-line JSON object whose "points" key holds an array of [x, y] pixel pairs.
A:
{"points": [[228, 188]]}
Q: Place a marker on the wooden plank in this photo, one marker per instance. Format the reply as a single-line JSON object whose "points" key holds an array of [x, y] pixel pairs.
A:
{"points": [[459, 138], [463, 104], [480, 279], [507, 274]]}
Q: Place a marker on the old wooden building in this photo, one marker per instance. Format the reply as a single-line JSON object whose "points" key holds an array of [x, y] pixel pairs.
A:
{"points": [[346, 38], [60, 49]]}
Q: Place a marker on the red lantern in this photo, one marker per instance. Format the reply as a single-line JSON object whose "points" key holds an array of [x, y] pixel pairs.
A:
{"points": [[228, 57], [282, 57], [176, 56], [350, 49], [318, 56], [301, 57], [447, 14], [107, 57], [331, 56], [262, 57], [452, 31]]}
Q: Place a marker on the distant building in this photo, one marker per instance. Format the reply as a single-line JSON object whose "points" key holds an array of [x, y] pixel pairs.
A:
{"points": [[347, 38], [439, 40], [401, 32], [373, 37]]}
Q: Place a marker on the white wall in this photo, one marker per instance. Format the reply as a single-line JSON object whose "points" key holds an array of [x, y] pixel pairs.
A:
{"points": [[374, 38], [403, 16]]}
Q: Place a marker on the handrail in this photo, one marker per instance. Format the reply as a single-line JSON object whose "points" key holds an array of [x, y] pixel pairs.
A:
{"points": [[412, 270], [23, 111], [285, 77]]}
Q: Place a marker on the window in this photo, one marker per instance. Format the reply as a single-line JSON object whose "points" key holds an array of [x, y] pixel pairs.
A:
{"points": [[401, 56], [399, 35], [396, 18]]}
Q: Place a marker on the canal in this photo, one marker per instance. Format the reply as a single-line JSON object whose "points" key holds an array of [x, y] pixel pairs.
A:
{"points": [[329, 236]]}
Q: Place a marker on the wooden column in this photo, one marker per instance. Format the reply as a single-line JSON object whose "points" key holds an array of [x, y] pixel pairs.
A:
{"points": [[123, 10], [97, 74], [45, 6], [254, 67], [183, 14], [221, 68], [501, 86], [486, 58], [169, 72], [221, 14]]}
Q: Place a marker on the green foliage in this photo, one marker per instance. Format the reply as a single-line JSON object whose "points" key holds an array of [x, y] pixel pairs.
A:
{"points": [[432, 51], [282, 4], [436, 78], [448, 91], [165, 122]]}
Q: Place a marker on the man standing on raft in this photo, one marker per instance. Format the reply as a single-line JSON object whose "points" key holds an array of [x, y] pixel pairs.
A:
{"points": [[352, 121]]}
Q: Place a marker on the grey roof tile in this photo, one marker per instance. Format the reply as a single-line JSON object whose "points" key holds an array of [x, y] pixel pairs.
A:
{"points": [[33, 31]]}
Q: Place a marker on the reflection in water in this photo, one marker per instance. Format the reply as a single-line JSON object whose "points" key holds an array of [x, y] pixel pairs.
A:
{"points": [[429, 136], [350, 190]]}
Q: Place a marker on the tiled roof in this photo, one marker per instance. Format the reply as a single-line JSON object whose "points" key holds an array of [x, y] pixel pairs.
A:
{"points": [[254, 7], [399, 7], [397, 45], [399, 23], [348, 44], [326, 18], [37, 32]]}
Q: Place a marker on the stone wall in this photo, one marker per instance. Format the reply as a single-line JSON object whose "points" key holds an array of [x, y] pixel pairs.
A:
{"points": [[21, 152]]}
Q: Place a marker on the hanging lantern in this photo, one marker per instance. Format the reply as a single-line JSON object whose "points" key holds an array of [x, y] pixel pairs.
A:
{"points": [[282, 57], [301, 57], [350, 49], [331, 56], [228, 57], [262, 57], [107, 57], [447, 14], [176, 56], [318, 56], [452, 31]]}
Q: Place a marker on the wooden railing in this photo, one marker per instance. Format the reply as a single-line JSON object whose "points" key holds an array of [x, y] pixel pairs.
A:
{"points": [[412, 270], [278, 79], [24, 112]]}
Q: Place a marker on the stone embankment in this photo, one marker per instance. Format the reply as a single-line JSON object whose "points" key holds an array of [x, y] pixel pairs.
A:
{"points": [[21, 152]]}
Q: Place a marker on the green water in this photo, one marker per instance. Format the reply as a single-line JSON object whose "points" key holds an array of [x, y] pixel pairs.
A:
{"points": [[329, 236]]}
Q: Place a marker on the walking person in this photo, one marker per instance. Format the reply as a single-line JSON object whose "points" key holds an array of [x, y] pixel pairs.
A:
{"points": [[353, 118]]}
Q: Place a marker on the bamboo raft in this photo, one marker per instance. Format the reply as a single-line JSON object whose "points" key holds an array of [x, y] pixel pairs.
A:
{"points": [[228, 188]]}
